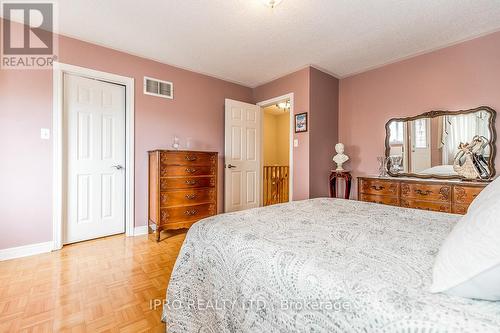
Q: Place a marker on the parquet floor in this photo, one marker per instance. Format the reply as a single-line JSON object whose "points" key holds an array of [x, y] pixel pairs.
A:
{"points": [[103, 285]]}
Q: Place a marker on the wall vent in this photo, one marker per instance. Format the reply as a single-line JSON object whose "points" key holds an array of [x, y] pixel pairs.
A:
{"points": [[155, 87]]}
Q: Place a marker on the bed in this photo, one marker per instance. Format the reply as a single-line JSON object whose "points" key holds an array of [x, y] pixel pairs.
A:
{"points": [[440, 170], [321, 265]]}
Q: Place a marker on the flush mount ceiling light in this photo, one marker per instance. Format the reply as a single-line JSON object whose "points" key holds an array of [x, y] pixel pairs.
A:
{"points": [[271, 3]]}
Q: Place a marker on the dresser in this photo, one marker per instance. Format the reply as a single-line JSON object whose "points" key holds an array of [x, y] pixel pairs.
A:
{"points": [[442, 196], [182, 188]]}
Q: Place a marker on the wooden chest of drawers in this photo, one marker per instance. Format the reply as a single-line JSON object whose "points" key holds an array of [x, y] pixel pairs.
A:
{"points": [[182, 188], [442, 196]]}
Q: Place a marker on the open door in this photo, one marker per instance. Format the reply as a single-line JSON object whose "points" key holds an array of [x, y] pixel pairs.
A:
{"points": [[242, 156]]}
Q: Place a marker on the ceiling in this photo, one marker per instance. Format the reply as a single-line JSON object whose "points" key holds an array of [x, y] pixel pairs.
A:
{"points": [[275, 111], [246, 42]]}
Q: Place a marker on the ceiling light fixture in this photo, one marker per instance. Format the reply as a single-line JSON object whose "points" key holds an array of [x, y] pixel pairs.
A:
{"points": [[271, 3], [284, 106]]}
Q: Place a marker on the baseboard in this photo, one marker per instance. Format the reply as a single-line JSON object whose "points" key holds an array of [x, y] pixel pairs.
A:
{"points": [[32, 249], [142, 230], [26, 250]]}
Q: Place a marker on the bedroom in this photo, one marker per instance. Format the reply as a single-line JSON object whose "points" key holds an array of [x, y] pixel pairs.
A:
{"points": [[350, 66]]}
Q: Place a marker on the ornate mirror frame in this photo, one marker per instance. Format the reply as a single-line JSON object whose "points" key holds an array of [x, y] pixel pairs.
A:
{"points": [[433, 114]]}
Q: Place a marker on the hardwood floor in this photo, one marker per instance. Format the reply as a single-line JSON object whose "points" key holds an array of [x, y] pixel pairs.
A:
{"points": [[103, 285]]}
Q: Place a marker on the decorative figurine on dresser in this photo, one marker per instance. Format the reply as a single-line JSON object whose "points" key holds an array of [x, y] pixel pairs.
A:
{"points": [[182, 188], [439, 161], [340, 173]]}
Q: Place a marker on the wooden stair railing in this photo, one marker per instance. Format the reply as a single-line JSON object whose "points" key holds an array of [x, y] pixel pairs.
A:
{"points": [[276, 182]]}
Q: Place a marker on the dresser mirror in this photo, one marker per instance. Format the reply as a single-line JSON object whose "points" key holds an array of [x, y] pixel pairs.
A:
{"points": [[432, 145]]}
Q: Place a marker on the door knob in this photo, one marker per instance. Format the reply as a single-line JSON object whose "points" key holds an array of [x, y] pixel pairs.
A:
{"points": [[230, 166], [117, 167]]}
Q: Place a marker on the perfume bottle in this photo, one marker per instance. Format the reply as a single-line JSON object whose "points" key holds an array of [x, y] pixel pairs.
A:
{"points": [[382, 166], [176, 144]]}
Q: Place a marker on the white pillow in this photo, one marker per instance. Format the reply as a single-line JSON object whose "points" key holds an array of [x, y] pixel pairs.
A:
{"points": [[489, 190], [468, 263], [475, 287]]}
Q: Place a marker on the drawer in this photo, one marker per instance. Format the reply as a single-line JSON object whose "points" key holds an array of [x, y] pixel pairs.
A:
{"points": [[186, 213], [187, 197], [380, 199], [188, 158], [426, 205], [441, 193], [186, 182], [465, 194], [460, 209], [379, 187], [187, 170]]}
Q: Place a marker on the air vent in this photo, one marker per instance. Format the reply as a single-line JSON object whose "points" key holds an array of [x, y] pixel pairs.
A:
{"points": [[155, 87]]}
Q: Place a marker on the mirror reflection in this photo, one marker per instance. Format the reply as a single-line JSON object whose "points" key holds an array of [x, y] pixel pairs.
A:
{"points": [[430, 146]]}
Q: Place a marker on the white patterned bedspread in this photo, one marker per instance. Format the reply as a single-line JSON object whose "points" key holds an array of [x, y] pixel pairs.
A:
{"points": [[321, 265]]}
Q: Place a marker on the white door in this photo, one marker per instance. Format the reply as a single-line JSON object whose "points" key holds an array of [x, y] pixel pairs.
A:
{"points": [[94, 129], [242, 156], [420, 145]]}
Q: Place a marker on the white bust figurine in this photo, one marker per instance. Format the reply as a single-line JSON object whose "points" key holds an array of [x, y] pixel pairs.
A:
{"points": [[340, 158]]}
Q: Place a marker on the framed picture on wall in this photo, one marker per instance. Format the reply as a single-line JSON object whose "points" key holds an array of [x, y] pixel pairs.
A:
{"points": [[301, 122]]}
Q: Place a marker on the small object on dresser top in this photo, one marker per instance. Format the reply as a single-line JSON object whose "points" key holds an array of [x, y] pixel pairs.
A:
{"points": [[340, 158], [382, 166], [469, 161], [176, 144], [395, 164]]}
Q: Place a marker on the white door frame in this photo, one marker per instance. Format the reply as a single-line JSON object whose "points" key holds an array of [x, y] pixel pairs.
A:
{"points": [[262, 105], [58, 192]]}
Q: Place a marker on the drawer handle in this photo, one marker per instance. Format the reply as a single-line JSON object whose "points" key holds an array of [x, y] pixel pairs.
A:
{"points": [[377, 187], [191, 212], [190, 196], [191, 158], [418, 191], [190, 170], [191, 182]]}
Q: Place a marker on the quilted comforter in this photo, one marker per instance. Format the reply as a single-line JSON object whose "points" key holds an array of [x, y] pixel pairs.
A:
{"points": [[321, 265]]}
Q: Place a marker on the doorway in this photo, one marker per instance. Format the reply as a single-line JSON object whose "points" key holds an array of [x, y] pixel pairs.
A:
{"points": [[280, 178], [276, 153], [244, 154]]}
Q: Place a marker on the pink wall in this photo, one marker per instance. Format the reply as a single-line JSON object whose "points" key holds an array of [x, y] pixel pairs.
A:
{"points": [[26, 106], [297, 83], [316, 93], [197, 110], [25, 164], [323, 122], [458, 77], [463, 76]]}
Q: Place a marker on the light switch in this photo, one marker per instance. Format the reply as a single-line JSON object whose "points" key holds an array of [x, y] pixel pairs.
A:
{"points": [[295, 143], [44, 133]]}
